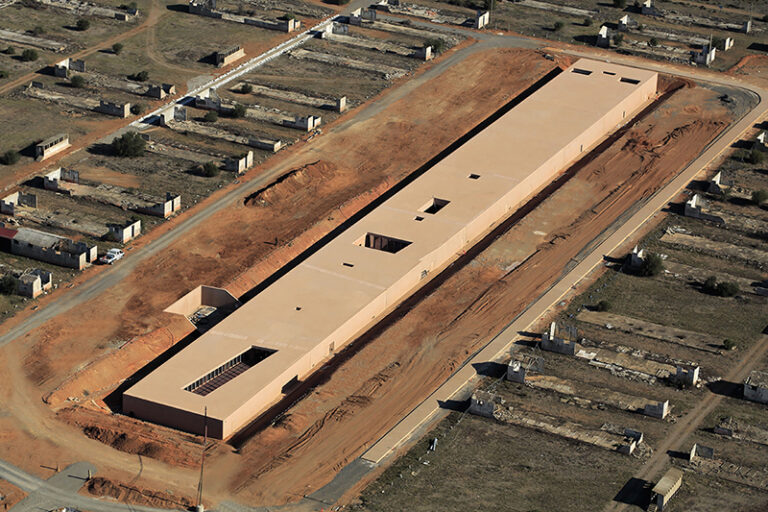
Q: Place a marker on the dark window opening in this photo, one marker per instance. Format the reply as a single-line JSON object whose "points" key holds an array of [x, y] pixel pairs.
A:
{"points": [[434, 206], [474, 176], [383, 243], [629, 80], [228, 371], [348, 264], [418, 218], [581, 71]]}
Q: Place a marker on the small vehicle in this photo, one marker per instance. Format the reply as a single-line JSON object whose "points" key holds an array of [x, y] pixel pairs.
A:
{"points": [[112, 256]]}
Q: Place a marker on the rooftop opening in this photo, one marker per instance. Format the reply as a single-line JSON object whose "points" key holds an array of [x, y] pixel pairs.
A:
{"points": [[348, 264], [474, 176], [434, 205], [418, 218], [609, 73], [581, 71], [629, 80], [228, 371], [382, 243]]}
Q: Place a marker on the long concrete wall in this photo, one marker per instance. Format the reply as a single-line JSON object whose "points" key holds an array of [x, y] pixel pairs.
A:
{"points": [[330, 298]]}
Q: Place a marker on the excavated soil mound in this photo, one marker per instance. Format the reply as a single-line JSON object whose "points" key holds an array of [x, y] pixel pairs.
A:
{"points": [[135, 495], [296, 183], [135, 437]]}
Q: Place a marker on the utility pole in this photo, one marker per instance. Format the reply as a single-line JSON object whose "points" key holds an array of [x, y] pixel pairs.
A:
{"points": [[199, 507]]}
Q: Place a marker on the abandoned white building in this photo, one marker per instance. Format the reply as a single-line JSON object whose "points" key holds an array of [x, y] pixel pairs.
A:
{"points": [[47, 247], [34, 282], [756, 387], [667, 487], [51, 146]]}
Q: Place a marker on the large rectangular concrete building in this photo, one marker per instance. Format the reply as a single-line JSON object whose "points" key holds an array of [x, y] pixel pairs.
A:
{"points": [[246, 362]]}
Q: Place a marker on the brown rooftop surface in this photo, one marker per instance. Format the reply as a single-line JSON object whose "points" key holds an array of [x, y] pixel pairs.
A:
{"points": [[668, 482], [327, 299]]}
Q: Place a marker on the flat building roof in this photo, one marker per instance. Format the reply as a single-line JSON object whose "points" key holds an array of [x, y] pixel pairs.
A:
{"points": [[328, 299]]}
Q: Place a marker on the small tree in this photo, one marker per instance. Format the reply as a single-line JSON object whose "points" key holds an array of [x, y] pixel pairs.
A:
{"points": [[618, 39], [710, 285], [729, 344], [82, 24], [7, 285], [603, 305], [10, 157], [29, 55], [755, 157], [3, 73], [130, 144], [587, 22], [620, 4], [77, 81], [211, 116], [653, 265], [727, 289], [558, 26], [287, 16], [759, 196], [117, 48], [238, 112], [437, 44], [10, 50], [210, 169], [653, 42], [141, 76], [246, 89], [37, 31], [137, 108]]}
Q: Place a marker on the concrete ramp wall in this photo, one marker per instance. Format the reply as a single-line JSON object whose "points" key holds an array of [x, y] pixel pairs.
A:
{"points": [[202, 296]]}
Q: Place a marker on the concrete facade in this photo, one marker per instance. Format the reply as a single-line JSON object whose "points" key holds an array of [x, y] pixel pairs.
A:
{"points": [[34, 282], [228, 56], [49, 248], [667, 487], [603, 37], [333, 296], [688, 376], [553, 343], [51, 146], [482, 18], [121, 110], [239, 164], [694, 207], [126, 232], [756, 387], [164, 209], [516, 372], [53, 180], [658, 410], [9, 203]]}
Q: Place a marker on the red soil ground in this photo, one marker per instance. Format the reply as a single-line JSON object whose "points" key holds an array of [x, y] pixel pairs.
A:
{"points": [[398, 364]]}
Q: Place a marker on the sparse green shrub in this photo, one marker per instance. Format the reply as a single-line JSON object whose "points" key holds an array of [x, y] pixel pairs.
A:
{"points": [[210, 169], [7, 285], [3, 73], [587, 22], [29, 55], [438, 45], [755, 157], [287, 16], [710, 284], [141, 76], [729, 344], [37, 31], [653, 42], [117, 48], [603, 305], [77, 81], [759, 196], [10, 50], [137, 109], [211, 116], [82, 24], [129, 145], [238, 112], [653, 265], [558, 26], [246, 89], [10, 157], [618, 39], [727, 289]]}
